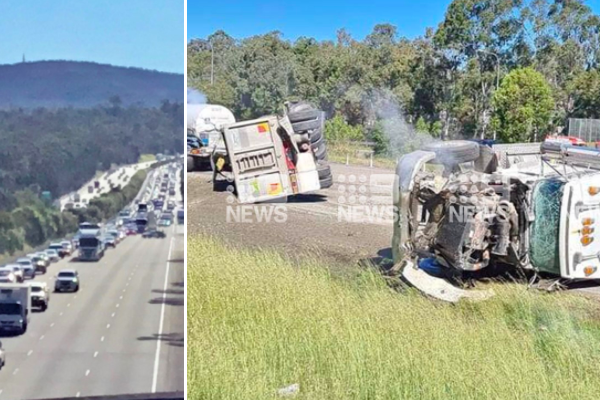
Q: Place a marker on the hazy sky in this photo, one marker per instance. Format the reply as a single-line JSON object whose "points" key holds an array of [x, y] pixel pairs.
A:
{"points": [[137, 33], [316, 18]]}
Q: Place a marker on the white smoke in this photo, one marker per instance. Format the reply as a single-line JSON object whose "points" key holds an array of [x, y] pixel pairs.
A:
{"points": [[384, 108], [195, 97]]}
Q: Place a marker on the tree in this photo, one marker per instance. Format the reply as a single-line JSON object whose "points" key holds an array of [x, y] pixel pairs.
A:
{"points": [[523, 106]]}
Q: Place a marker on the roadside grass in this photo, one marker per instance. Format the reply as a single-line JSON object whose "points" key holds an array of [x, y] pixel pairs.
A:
{"points": [[258, 322], [356, 154], [147, 158]]}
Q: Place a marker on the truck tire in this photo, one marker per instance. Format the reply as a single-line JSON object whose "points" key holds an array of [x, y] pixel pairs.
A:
{"points": [[326, 183], [306, 125], [190, 164], [324, 171], [320, 150], [44, 307], [303, 115], [316, 135], [454, 151]]}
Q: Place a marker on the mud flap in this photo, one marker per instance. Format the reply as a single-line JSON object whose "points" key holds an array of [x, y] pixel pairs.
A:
{"points": [[439, 288]]}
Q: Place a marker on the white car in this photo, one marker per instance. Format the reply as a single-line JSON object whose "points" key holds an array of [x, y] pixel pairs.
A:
{"points": [[17, 270], [7, 275], [40, 295], [52, 255], [27, 266]]}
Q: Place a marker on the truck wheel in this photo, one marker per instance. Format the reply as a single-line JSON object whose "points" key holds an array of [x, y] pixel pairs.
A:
{"points": [[306, 125], [303, 115], [24, 327], [454, 151], [190, 164], [326, 183], [316, 135], [77, 288], [320, 150], [44, 307]]}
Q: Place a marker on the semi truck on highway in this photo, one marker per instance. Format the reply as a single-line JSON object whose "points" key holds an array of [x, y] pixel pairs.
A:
{"points": [[462, 208], [204, 122], [91, 247], [15, 307]]}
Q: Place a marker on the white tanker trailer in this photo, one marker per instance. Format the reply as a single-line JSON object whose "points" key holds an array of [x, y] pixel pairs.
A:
{"points": [[204, 123]]}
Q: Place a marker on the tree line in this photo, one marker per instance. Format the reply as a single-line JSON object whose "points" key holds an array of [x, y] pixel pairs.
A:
{"points": [[515, 70], [60, 150]]}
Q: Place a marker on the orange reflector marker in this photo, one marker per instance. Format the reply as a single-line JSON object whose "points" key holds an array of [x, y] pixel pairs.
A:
{"points": [[588, 221], [587, 230], [593, 190], [589, 270], [587, 240]]}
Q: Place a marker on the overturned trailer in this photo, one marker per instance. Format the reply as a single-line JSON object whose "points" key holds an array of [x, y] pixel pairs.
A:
{"points": [[274, 157], [462, 207]]}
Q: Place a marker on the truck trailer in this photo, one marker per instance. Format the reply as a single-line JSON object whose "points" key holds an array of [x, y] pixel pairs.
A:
{"points": [[15, 307]]}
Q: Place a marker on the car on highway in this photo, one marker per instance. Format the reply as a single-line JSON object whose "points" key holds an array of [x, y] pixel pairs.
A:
{"points": [[39, 263], [180, 217], [109, 241], [40, 295], [115, 234], [17, 271], [28, 267], [7, 275], [67, 280], [154, 233], [52, 255], [58, 247], [165, 222], [67, 246]]}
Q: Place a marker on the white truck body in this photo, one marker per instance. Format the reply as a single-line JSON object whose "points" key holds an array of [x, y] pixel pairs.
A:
{"points": [[15, 307]]}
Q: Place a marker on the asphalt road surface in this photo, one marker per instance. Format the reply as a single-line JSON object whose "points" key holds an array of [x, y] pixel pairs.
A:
{"points": [[315, 225], [122, 333]]}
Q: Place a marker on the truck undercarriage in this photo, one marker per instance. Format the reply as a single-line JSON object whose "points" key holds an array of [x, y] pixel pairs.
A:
{"points": [[463, 208]]}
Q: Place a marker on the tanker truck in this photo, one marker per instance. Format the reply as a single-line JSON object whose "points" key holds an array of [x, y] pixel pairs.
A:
{"points": [[204, 122]]}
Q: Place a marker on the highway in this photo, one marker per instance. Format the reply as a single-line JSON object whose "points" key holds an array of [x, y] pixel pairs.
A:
{"points": [[104, 186], [122, 333]]}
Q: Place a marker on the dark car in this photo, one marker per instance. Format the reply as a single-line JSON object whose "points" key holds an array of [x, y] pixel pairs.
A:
{"points": [[154, 233]]}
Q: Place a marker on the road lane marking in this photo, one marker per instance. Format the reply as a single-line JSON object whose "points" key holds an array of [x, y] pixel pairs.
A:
{"points": [[95, 354], [160, 325], [15, 371], [107, 326], [60, 313], [120, 297], [69, 305], [112, 315], [78, 394], [42, 337], [87, 372], [30, 352], [51, 325], [102, 339]]}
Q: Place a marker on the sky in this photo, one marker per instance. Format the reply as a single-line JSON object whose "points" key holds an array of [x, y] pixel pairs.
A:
{"points": [[319, 19], [132, 33]]}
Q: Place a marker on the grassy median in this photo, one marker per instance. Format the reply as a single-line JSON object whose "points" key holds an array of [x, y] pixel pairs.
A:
{"points": [[257, 323]]}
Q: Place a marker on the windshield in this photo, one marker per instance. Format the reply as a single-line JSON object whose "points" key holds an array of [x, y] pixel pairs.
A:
{"points": [[66, 275], [544, 237], [88, 242], [88, 225], [24, 262], [10, 309], [5, 272], [35, 289], [142, 222]]}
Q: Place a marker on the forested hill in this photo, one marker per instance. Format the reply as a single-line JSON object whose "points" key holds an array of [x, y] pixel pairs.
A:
{"points": [[56, 84]]}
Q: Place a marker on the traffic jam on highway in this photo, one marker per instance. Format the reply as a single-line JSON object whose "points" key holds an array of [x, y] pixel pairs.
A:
{"points": [[21, 292]]}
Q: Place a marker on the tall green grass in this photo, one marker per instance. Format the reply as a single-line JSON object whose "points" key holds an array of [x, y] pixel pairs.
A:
{"points": [[257, 322]]}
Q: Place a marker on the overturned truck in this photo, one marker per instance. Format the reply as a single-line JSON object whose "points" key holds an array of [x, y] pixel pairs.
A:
{"points": [[274, 157], [462, 207]]}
